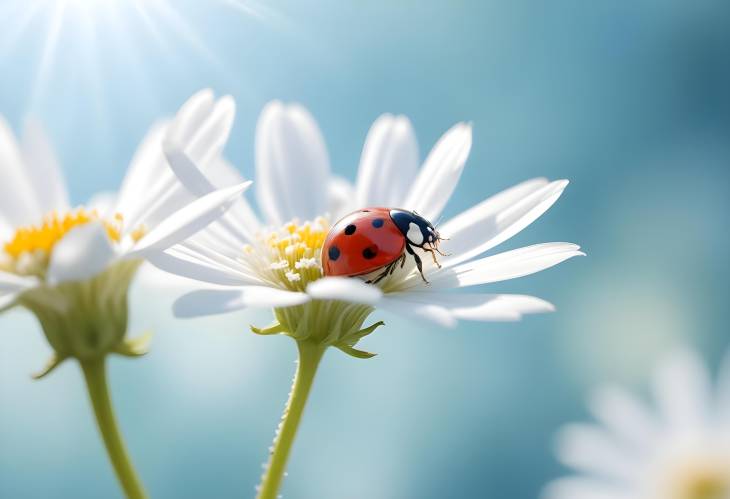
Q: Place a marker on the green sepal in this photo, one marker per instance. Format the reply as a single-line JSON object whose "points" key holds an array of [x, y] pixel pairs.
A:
{"points": [[354, 352], [52, 363], [366, 331], [273, 329], [349, 342], [134, 347], [85, 319]]}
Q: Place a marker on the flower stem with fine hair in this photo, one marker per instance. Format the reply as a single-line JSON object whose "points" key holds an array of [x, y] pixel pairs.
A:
{"points": [[310, 354], [98, 388]]}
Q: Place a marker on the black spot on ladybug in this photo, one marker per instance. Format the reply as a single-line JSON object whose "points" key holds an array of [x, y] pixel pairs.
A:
{"points": [[370, 252], [378, 223], [333, 253], [350, 230]]}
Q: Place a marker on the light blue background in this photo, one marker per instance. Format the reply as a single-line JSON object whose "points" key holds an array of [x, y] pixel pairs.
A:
{"points": [[629, 99]]}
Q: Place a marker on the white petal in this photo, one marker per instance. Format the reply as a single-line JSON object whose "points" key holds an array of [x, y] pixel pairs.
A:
{"points": [[341, 194], [82, 253], [182, 265], [503, 266], [497, 219], [189, 220], [682, 388], [345, 289], [186, 170], [399, 305], [190, 116], [7, 301], [482, 306], [388, 164], [220, 301], [43, 169], [440, 172], [6, 230], [292, 166], [591, 449], [584, 488], [103, 203], [150, 192], [241, 215], [624, 416], [144, 171], [211, 134], [18, 202], [12, 282], [217, 239], [240, 221]]}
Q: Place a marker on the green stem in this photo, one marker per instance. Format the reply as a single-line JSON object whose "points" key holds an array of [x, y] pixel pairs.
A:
{"points": [[96, 383], [309, 356]]}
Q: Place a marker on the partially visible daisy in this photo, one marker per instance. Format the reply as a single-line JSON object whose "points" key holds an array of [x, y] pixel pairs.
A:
{"points": [[45, 241], [71, 266], [275, 262], [679, 449]]}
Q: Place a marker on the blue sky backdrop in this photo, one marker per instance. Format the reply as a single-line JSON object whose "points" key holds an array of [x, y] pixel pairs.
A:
{"points": [[629, 99]]}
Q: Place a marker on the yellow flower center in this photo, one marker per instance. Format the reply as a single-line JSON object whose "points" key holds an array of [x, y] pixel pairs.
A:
{"points": [[290, 256], [28, 251], [710, 480]]}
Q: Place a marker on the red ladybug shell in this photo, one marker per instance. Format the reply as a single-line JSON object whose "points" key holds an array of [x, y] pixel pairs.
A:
{"points": [[362, 242]]}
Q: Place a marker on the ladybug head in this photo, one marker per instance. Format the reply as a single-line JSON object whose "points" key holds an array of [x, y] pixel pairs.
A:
{"points": [[417, 230]]}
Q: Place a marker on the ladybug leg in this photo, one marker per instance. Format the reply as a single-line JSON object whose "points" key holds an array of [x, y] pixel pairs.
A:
{"points": [[380, 277], [393, 265], [419, 263], [437, 250], [387, 270], [433, 250]]}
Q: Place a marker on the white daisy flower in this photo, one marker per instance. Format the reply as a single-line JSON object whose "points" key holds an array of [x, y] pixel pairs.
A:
{"points": [[275, 262], [52, 253], [678, 450], [72, 266]]}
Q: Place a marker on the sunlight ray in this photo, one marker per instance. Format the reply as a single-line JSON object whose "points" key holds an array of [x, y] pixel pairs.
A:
{"points": [[140, 7], [13, 30], [91, 60], [49, 50], [183, 28]]}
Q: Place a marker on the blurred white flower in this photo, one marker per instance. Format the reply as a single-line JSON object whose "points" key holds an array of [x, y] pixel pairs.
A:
{"points": [[46, 240], [73, 264], [679, 450], [276, 262]]}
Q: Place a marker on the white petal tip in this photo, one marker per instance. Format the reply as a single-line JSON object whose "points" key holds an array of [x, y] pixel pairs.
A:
{"points": [[82, 253], [220, 301], [203, 94], [344, 288]]}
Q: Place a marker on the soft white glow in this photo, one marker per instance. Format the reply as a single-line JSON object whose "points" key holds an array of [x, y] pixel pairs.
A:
{"points": [[74, 43]]}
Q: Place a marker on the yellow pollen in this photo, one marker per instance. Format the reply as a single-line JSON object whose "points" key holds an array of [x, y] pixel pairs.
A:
{"points": [[30, 247], [704, 481], [290, 257]]}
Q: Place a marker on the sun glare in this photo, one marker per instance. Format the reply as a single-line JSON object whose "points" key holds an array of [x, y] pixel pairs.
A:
{"points": [[55, 35]]}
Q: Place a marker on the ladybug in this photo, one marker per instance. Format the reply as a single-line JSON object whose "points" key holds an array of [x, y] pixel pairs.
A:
{"points": [[373, 238]]}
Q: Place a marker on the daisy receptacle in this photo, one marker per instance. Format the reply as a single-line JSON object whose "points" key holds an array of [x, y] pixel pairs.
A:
{"points": [[72, 266], [275, 261]]}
